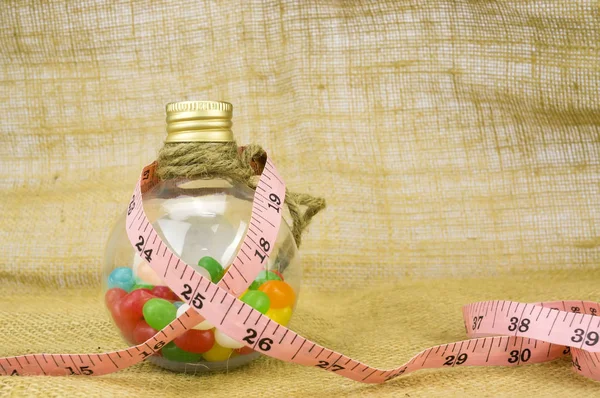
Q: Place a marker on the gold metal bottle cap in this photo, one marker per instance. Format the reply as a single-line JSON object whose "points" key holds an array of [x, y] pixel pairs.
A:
{"points": [[199, 121]]}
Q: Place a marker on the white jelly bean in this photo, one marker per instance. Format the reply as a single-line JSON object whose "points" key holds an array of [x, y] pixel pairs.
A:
{"points": [[204, 325], [225, 341]]}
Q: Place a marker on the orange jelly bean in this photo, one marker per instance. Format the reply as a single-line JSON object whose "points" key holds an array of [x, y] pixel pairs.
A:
{"points": [[280, 293]]}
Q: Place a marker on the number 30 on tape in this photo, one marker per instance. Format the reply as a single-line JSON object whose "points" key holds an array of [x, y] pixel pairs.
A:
{"points": [[501, 332]]}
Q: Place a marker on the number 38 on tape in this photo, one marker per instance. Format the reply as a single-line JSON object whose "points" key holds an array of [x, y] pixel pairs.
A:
{"points": [[501, 332]]}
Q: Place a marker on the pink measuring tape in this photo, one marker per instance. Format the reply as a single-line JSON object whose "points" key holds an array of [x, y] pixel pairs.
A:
{"points": [[502, 332]]}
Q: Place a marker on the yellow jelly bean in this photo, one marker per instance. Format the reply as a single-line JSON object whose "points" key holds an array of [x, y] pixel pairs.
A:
{"points": [[280, 315], [217, 353]]}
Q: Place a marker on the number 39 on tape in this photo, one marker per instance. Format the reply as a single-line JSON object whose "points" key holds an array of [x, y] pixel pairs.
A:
{"points": [[500, 332]]}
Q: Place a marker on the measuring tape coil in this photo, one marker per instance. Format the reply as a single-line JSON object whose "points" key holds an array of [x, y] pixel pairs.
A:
{"points": [[502, 333]]}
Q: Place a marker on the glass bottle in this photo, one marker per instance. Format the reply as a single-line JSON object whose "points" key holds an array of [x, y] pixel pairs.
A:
{"points": [[203, 221]]}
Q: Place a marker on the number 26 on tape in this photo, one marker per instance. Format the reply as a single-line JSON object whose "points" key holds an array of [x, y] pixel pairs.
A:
{"points": [[264, 344]]}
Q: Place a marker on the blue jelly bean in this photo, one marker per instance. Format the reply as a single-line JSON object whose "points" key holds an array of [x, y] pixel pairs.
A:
{"points": [[178, 304], [121, 277]]}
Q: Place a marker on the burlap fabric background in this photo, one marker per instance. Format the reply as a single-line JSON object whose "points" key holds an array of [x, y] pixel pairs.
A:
{"points": [[456, 142]]}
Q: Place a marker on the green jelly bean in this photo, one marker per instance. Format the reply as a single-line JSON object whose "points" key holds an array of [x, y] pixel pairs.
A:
{"points": [[213, 267], [142, 286], [174, 353], [264, 276], [158, 313], [257, 300]]}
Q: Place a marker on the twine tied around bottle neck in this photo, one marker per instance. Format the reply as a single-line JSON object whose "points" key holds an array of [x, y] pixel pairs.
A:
{"points": [[238, 164]]}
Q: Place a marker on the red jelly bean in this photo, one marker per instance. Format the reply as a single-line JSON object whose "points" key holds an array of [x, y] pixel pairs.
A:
{"points": [[125, 323], [196, 341], [131, 305], [113, 296], [244, 350], [142, 332], [164, 292]]}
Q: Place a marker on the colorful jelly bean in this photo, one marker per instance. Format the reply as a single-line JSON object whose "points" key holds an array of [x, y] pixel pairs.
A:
{"points": [[121, 277], [204, 325], [146, 274], [142, 286], [178, 304], [142, 332], [257, 300], [280, 293], [159, 313], [113, 296], [174, 353], [133, 303], [164, 292], [213, 267], [280, 315], [124, 322], [128, 311], [262, 277], [217, 353], [196, 341], [225, 341]]}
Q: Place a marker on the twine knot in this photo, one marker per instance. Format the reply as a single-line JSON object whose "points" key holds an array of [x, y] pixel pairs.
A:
{"points": [[238, 164]]}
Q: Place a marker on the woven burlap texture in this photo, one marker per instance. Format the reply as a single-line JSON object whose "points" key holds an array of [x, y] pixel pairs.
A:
{"points": [[457, 144]]}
